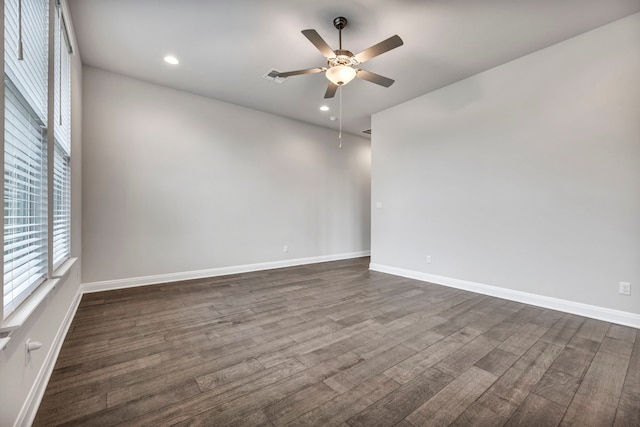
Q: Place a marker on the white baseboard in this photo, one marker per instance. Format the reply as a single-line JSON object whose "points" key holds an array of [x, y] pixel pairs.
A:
{"points": [[30, 407], [107, 285], [592, 311]]}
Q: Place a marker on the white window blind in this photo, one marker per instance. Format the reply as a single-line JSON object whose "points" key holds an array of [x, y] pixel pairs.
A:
{"points": [[28, 18], [62, 142], [25, 149], [25, 200], [61, 206]]}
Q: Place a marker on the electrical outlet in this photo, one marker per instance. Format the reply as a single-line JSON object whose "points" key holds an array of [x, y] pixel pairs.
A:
{"points": [[285, 248], [428, 259], [625, 288]]}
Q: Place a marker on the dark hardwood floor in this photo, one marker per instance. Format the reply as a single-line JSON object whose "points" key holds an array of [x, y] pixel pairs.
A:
{"points": [[335, 344]]}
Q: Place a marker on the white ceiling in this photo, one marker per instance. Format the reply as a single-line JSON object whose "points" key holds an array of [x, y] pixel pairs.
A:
{"points": [[226, 46]]}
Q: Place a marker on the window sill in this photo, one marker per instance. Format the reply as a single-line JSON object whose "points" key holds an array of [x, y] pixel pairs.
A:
{"points": [[62, 272], [26, 309]]}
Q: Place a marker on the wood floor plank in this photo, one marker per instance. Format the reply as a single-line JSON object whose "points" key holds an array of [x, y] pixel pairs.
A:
{"points": [[181, 410], [114, 415], [274, 358], [585, 411], [122, 384], [503, 330], [563, 330], [467, 355], [497, 361], [339, 409], [335, 344], [409, 368], [628, 411], [447, 405], [597, 398], [230, 374], [153, 381], [557, 387], [55, 412], [613, 345], [294, 405], [394, 407], [388, 337], [526, 337], [624, 333], [605, 377], [632, 379], [594, 330], [102, 374], [335, 349], [503, 398], [345, 380], [256, 419], [573, 362], [246, 404], [536, 411], [162, 348], [478, 415]]}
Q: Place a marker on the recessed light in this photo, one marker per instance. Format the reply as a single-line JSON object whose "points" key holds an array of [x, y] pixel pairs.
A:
{"points": [[324, 108], [171, 60]]}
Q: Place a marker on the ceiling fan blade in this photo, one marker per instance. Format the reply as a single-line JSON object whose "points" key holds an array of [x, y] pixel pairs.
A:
{"points": [[298, 72], [374, 78], [380, 48], [331, 90], [319, 43]]}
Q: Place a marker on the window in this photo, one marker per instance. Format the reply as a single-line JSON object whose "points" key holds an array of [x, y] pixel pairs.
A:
{"points": [[37, 148], [62, 143], [25, 149]]}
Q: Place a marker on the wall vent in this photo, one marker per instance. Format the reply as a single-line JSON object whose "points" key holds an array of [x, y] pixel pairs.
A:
{"points": [[272, 76], [367, 131]]}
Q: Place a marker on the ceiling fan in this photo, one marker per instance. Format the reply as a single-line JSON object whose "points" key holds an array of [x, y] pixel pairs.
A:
{"points": [[342, 64]]}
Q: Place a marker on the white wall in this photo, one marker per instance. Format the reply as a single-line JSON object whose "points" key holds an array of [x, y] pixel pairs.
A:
{"points": [[22, 383], [175, 182], [525, 177]]}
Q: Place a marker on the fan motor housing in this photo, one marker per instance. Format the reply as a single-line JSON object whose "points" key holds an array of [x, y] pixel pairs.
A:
{"points": [[343, 57], [340, 22]]}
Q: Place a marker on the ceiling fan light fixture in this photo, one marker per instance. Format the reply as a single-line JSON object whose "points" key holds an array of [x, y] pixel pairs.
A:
{"points": [[340, 74]]}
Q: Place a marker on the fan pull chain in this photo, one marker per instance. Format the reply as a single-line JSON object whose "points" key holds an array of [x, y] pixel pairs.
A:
{"points": [[340, 119], [20, 57]]}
